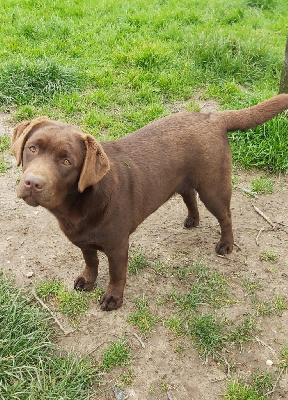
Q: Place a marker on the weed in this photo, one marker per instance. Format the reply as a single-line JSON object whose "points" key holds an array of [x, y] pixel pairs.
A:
{"points": [[141, 318], [137, 261], [270, 256], [117, 354], [262, 185]]}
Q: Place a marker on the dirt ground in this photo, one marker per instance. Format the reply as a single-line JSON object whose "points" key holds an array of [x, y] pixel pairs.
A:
{"points": [[30, 241]]}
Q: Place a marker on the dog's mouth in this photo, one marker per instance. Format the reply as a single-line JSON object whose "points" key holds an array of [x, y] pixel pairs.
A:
{"points": [[35, 199], [30, 200]]}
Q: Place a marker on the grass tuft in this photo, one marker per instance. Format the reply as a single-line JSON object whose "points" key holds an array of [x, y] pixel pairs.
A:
{"points": [[25, 82], [141, 317], [31, 367], [72, 303], [208, 287], [3, 165], [137, 261], [117, 354], [262, 185]]}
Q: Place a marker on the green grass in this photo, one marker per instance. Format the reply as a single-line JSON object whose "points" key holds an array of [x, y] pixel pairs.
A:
{"points": [[4, 146], [117, 354], [284, 359], [195, 317], [111, 67], [142, 318], [277, 305], [3, 165], [31, 367], [264, 147], [208, 287], [72, 303], [269, 256], [260, 384], [4, 143], [262, 185], [137, 261]]}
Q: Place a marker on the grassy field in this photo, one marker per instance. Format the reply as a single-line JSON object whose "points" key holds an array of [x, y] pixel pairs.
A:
{"points": [[111, 67]]}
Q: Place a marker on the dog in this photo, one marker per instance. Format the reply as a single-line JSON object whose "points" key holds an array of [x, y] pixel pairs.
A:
{"points": [[101, 192]]}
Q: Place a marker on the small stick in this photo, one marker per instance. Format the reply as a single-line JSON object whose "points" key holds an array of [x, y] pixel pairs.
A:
{"points": [[95, 349], [223, 358], [169, 396], [51, 313], [266, 345], [237, 245], [138, 338], [276, 383], [264, 216], [257, 237]]}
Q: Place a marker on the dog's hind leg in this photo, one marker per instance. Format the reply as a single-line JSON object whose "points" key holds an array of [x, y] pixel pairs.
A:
{"points": [[217, 197], [189, 197]]}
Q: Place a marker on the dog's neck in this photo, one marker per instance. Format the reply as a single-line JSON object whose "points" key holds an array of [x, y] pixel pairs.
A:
{"points": [[72, 213]]}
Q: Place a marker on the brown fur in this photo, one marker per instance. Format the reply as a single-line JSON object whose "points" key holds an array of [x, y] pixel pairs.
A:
{"points": [[101, 193]]}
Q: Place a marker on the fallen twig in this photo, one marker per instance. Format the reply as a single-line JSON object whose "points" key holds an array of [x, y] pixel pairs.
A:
{"points": [[169, 396], [138, 338], [237, 245], [51, 313], [267, 219], [223, 358], [276, 383], [257, 237], [267, 346]]}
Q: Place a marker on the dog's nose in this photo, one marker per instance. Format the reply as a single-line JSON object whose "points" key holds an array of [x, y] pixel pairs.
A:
{"points": [[34, 182]]}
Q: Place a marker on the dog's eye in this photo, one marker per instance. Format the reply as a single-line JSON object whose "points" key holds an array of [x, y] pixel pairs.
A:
{"points": [[32, 149], [66, 162]]}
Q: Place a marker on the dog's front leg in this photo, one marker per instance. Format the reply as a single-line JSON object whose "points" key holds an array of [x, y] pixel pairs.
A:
{"points": [[87, 279], [118, 261]]}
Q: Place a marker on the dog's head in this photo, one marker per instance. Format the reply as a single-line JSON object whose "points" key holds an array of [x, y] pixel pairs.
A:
{"points": [[57, 159]]}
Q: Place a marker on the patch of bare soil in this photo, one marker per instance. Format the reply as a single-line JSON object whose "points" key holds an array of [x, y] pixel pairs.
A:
{"points": [[30, 241]]}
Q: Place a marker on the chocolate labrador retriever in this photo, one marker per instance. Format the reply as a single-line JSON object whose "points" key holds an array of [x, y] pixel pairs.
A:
{"points": [[100, 193]]}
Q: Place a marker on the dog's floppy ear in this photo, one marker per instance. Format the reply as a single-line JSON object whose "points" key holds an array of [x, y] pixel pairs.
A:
{"points": [[19, 136], [96, 164]]}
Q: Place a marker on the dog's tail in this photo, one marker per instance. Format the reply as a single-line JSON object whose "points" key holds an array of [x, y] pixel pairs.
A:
{"points": [[256, 115]]}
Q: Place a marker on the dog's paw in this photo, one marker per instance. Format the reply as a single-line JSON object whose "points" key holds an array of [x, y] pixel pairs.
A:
{"points": [[110, 302], [191, 222], [223, 248], [80, 283]]}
